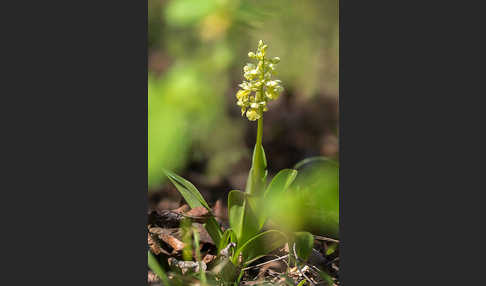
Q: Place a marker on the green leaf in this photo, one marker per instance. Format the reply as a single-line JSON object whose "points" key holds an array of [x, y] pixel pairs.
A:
{"points": [[313, 160], [228, 236], [326, 277], [194, 199], [260, 245], [191, 195], [302, 283], [236, 201], [202, 273], [315, 195], [304, 242], [157, 269], [331, 248], [279, 184], [212, 226], [257, 203], [225, 270], [242, 218]]}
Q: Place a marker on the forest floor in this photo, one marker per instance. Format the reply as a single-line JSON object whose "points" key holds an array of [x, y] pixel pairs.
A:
{"points": [[165, 240]]}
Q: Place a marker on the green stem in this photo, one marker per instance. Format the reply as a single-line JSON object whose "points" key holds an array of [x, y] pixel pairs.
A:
{"points": [[239, 277], [255, 182], [259, 132], [258, 167]]}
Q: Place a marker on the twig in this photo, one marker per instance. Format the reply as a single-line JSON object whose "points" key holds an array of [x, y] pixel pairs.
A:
{"points": [[318, 237], [258, 265], [332, 261], [225, 252], [297, 265]]}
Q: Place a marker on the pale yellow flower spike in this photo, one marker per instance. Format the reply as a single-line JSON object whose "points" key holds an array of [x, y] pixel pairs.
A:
{"points": [[258, 88]]}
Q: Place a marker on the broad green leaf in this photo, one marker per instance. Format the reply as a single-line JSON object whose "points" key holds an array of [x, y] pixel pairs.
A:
{"points": [[314, 194], [194, 199], [242, 219], [192, 196], [304, 242], [279, 184], [261, 209], [236, 211], [260, 245]]}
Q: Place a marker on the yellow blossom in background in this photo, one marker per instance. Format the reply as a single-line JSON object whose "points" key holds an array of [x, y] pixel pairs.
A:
{"points": [[214, 26]]}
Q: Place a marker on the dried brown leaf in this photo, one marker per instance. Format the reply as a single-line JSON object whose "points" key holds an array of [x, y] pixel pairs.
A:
{"points": [[167, 235], [184, 208], [152, 277], [197, 212], [176, 244], [208, 258], [153, 245]]}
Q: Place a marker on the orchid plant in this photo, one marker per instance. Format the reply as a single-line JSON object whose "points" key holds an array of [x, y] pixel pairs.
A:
{"points": [[245, 240]]}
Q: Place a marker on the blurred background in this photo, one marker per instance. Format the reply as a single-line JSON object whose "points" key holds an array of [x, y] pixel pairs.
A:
{"points": [[197, 50]]}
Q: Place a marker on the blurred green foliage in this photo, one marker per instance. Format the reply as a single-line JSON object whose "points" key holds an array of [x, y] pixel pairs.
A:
{"points": [[312, 201], [196, 51], [180, 110]]}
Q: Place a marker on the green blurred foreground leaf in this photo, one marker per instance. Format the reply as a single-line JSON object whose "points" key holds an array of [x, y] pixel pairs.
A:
{"points": [[280, 182], [202, 272], [304, 241], [302, 283], [260, 245], [157, 269], [314, 160]]}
